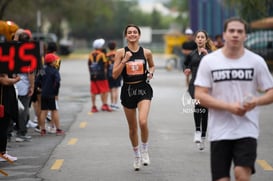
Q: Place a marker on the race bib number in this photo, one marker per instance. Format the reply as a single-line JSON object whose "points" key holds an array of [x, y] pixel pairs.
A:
{"points": [[135, 68]]}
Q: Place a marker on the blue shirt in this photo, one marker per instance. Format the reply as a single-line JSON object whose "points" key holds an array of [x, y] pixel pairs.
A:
{"points": [[49, 81]]}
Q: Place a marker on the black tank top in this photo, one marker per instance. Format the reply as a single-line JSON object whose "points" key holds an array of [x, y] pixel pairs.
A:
{"points": [[136, 67]]}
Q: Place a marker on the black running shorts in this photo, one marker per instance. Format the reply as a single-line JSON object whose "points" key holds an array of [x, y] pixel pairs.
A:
{"points": [[132, 94], [242, 152], [48, 103]]}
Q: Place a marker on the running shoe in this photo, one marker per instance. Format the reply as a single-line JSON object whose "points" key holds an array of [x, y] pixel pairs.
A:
{"points": [[105, 107], [197, 137], [202, 144], [59, 132], [43, 132], [31, 124], [6, 157], [94, 109], [145, 158], [37, 129], [35, 120], [48, 116], [21, 138], [114, 107], [137, 163], [51, 129]]}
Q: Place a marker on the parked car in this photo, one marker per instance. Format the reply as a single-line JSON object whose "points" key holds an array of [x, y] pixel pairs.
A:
{"points": [[65, 47], [261, 42], [49, 37]]}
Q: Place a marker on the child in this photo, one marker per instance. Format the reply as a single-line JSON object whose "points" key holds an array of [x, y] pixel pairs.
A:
{"points": [[97, 64], [114, 84], [49, 82]]}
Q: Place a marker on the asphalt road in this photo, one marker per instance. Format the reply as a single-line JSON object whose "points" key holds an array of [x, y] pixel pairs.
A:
{"points": [[96, 146]]}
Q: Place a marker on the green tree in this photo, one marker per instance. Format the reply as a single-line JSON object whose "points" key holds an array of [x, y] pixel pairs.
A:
{"points": [[87, 19], [182, 7], [156, 19]]}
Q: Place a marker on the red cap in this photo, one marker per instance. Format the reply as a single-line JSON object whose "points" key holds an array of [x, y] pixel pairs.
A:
{"points": [[51, 57]]}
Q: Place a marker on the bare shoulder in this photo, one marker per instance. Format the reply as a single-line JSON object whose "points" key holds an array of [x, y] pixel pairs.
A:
{"points": [[120, 52], [147, 51]]}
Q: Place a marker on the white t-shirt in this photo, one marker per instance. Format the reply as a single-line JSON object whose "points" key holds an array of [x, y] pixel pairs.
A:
{"points": [[23, 85], [231, 80]]}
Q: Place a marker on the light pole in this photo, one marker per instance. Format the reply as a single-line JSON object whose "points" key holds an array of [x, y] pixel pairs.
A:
{"points": [[38, 21]]}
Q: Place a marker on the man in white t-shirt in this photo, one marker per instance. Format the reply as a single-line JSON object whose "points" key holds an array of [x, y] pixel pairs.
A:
{"points": [[228, 83]]}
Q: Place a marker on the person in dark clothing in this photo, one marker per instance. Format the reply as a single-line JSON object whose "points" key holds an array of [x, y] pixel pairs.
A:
{"points": [[218, 42], [8, 112], [53, 48], [49, 81], [204, 47], [187, 47], [51, 118], [114, 84], [189, 44]]}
